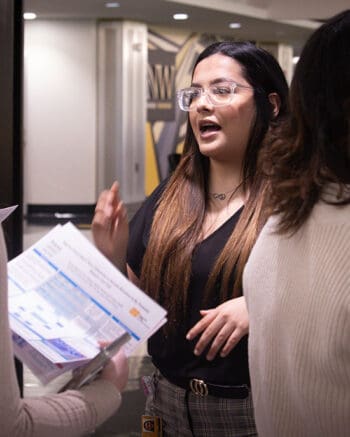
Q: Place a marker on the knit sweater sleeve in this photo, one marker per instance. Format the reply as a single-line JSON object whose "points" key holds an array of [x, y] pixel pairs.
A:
{"points": [[70, 414]]}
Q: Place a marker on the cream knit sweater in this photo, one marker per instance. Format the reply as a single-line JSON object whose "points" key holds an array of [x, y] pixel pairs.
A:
{"points": [[74, 413], [298, 297]]}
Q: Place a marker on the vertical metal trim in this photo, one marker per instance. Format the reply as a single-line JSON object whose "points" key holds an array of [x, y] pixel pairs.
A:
{"points": [[122, 80]]}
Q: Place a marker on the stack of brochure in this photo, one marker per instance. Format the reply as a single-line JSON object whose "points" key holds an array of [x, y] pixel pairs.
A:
{"points": [[65, 297]]}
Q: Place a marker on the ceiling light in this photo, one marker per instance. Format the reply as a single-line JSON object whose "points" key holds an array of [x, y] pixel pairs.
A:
{"points": [[29, 16], [295, 59], [235, 25], [112, 5], [180, 16]]}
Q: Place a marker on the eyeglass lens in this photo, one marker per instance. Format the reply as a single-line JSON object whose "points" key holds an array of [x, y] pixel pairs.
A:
{"points": [[218, 94]]}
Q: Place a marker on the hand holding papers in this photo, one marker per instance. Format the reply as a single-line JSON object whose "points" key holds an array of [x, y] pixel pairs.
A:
{"points": [[89, 372], [65, 297]]}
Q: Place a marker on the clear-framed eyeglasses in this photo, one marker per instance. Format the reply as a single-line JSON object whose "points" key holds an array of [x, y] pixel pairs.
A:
{"points": [[219, 94]]}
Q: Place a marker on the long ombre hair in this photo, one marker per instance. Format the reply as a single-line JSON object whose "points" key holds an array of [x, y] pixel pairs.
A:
{"points": [[312, 149], [178, 220]]}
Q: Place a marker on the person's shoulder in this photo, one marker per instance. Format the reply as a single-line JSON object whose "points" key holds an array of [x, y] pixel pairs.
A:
{"points": [[145, 212], [267, 239], [151, 201], [158, 190], [326, 214], [270, 228], [329, 225]]}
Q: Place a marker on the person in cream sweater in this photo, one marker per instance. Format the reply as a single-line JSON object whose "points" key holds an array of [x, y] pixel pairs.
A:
{"points": [[297, 279]]}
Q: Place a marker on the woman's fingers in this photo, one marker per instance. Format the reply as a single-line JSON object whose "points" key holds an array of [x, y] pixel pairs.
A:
{"points": [[222, 326]]}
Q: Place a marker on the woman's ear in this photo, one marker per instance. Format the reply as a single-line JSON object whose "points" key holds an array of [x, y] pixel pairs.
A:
{"points": [[275, 101]]}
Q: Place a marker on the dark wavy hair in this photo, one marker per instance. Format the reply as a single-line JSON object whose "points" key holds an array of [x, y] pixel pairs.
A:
{"points": [[179, 216], [313, 148]]}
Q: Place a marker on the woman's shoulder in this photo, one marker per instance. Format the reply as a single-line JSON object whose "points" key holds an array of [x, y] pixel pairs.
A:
{"points": [[150, 202], [142, 219], [334, 208], [158, 191]]}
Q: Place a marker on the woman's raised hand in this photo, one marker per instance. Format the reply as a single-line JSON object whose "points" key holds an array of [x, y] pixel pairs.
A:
{"points": [[110, 228]]}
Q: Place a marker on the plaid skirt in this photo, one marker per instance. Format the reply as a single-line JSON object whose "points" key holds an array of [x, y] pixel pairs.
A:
{"points": [[185, 414]]}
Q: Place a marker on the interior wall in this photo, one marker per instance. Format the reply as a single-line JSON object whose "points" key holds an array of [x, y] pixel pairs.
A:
{"points": [[60, 112]]}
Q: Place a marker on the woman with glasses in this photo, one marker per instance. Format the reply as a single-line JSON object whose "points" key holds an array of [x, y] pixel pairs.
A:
{"points": [[191, 238], [297, 280]]}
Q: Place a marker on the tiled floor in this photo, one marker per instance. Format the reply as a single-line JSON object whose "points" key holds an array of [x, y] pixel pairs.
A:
{"points": [[126, 422]]}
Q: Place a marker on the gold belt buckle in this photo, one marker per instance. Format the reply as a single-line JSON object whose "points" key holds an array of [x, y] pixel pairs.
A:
{"points": [[198, 387]]}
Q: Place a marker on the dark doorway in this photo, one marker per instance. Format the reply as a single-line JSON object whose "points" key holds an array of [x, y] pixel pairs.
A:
{"points": [[11, 180]]}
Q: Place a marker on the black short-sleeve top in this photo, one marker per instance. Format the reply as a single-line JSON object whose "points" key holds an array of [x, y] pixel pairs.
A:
{"points": [[172, 354]]}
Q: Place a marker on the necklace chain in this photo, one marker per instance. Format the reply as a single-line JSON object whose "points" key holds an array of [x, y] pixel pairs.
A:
{"points": [[219, 196], [222, 196]]}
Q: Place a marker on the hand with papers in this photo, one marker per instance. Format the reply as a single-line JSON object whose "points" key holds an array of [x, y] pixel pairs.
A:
{"points": [[65, 297], [81, 411], [109, 364], [110, 227], [117, 371]]}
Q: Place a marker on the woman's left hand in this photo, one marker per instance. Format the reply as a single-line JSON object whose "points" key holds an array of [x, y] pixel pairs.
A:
{"points": [[223, 326]]}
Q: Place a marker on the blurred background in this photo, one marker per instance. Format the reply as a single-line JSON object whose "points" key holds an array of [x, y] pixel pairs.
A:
{"points": [[88, 96]]}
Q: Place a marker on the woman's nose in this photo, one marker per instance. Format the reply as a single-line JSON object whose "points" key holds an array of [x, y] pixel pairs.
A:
{"points": [[203, 101]]}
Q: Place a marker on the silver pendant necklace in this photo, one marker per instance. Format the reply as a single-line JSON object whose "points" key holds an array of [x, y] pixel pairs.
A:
{"points": [[222, 196]]}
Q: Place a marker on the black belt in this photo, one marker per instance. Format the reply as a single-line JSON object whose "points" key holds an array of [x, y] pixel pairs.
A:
{"points": [[201, 388]]}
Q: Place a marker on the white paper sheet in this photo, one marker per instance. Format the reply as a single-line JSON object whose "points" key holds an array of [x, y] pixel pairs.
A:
{"points": [[65, 296], [5, 212]]}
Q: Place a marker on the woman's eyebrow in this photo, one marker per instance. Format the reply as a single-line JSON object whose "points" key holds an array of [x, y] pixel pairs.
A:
{"points": [[214, 81]]}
